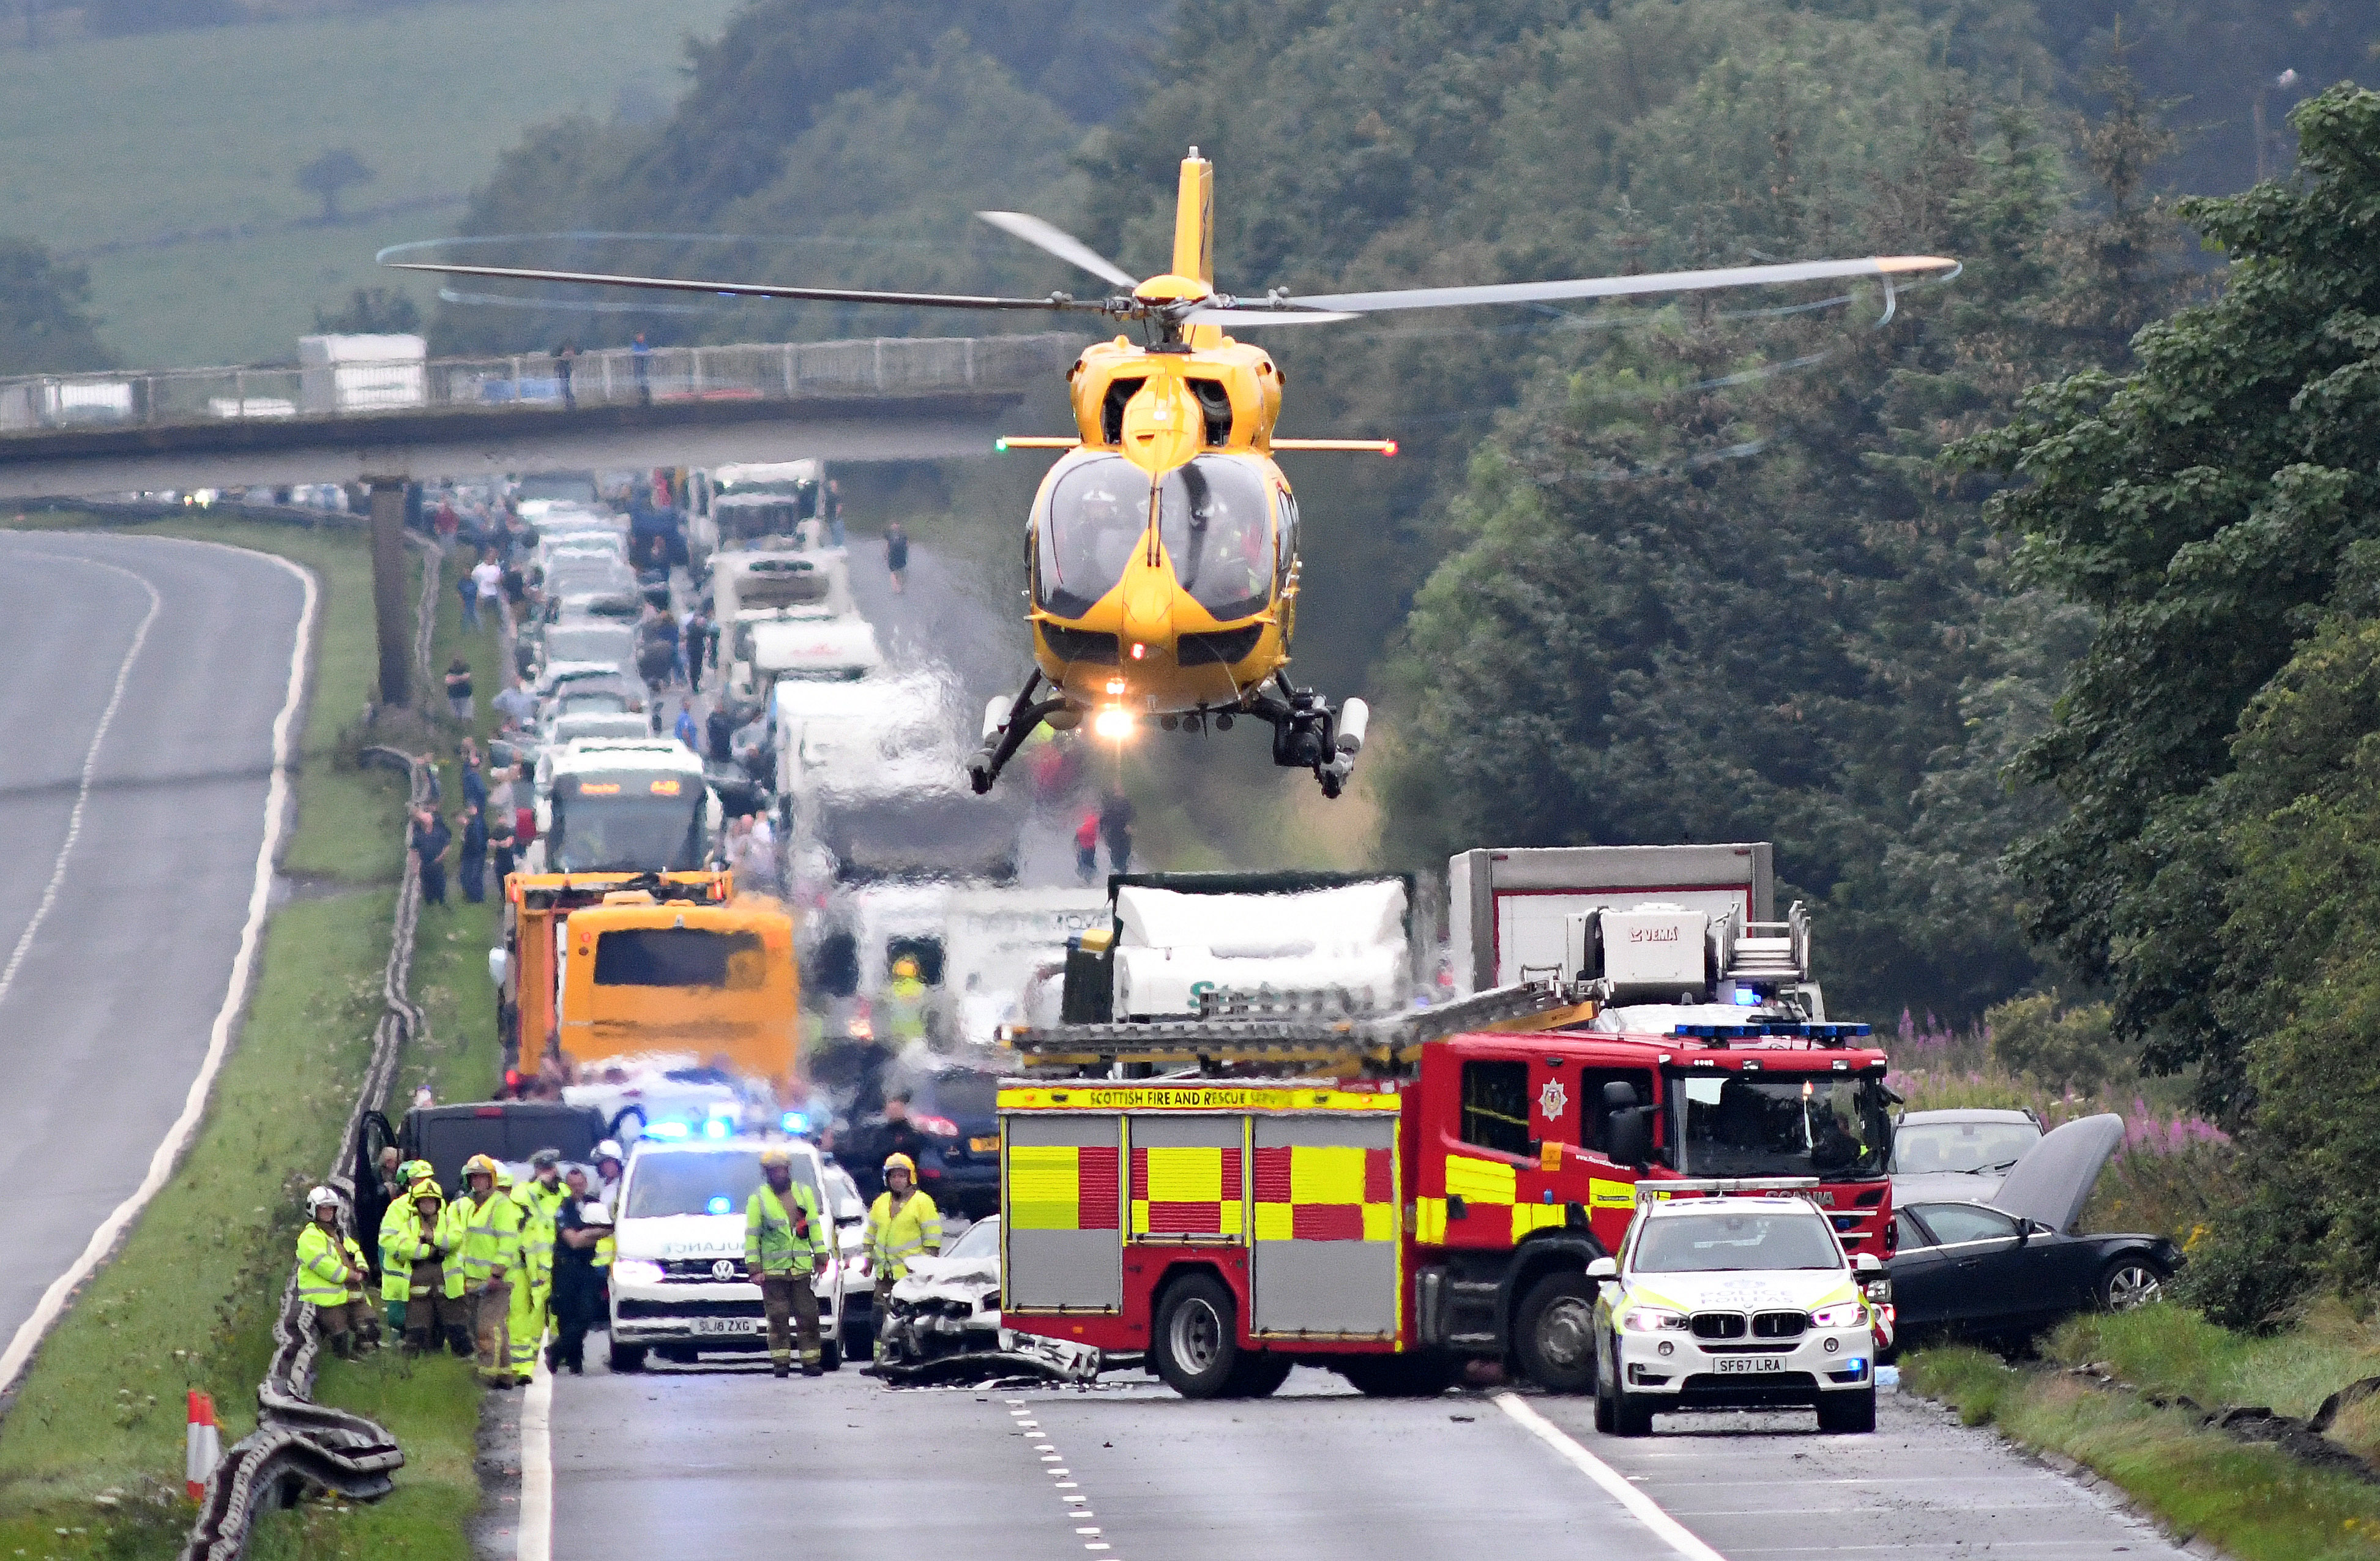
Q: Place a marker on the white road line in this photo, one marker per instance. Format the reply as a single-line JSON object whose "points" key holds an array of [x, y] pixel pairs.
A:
{"points": [[90, 764], [533, 1539], [178, 1138], [1641, 1506]]}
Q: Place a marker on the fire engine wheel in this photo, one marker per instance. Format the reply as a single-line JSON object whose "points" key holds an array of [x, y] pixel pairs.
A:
{"points": [[1257, 1376], [1554, 1333], [1401, 1376], [1197, 1343]]}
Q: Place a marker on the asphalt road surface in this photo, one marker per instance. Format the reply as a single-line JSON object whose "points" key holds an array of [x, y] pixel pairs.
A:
{"points": [[725, 1462], [132, 858]]}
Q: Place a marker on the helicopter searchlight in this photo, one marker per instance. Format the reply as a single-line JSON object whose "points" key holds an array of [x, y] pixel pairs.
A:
{"points": [[1163, 543]]}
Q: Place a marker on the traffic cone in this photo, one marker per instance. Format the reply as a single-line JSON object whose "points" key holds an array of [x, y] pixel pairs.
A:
{"points": [[205, 1448]]}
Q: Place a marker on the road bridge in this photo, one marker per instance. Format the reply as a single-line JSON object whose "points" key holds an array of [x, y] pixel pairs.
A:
{"points": [[879, 399]]}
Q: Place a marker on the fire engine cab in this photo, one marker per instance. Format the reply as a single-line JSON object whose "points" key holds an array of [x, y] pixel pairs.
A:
{"points": [[1396, 1196]]}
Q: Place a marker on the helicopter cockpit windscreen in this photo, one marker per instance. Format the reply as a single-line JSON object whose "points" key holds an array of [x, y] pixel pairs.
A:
{"points": [[1098, 511], [1215, 520]]}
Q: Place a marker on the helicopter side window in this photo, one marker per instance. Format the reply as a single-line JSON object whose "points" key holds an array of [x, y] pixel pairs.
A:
{"points": [[1285, 540], [1215, 520], [1120, 392], [1214, 408], [1098, 509]]}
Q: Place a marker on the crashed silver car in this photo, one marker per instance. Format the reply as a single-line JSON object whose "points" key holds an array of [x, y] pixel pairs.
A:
{"points": [[2012, 1264], [942, 1323]]}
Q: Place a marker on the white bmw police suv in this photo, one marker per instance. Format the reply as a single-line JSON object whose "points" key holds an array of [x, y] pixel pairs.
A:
{"points": [[1739, 1299]]}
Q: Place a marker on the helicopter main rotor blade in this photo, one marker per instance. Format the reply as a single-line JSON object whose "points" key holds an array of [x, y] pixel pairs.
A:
{"points": [[1060, 301], [1061, 243], [1300, 311]]}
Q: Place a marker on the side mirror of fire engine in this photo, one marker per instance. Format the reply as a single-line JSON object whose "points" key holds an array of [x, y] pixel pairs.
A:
{"points": [[1603, 1268], [1866, 1264], [1630, 1134]]}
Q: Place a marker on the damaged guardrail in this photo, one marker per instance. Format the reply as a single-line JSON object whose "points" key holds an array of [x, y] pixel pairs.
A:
{"points": [[299, 1443]]}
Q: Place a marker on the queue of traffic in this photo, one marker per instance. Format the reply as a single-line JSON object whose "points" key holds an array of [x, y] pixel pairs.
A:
{"points": [[1611, 1143]]}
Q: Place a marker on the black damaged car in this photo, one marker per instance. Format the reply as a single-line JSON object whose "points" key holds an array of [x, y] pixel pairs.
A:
{"points": [[2010, 1265]]}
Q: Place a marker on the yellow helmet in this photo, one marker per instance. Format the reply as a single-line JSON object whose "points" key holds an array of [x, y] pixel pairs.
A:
{"points": [[905, 968], [504, 1180], [424, 1186], [776, 1154], [901, 1162], [480, 1166], [412, 1171]]}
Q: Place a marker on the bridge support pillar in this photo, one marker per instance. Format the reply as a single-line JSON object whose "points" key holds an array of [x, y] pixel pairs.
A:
{"points": [[389, 611]]}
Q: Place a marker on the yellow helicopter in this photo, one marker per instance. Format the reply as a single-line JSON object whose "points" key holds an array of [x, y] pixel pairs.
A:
{"points": [[1163, 546]]}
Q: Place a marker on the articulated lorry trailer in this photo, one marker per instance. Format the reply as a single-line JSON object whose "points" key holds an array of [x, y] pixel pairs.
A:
{"points": [[1397, 1193]]}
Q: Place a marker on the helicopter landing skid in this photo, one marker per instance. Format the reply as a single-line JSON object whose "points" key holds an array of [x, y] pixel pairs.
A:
{"points": [[1003, 737]]}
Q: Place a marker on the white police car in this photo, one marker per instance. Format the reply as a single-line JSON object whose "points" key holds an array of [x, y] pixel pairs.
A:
{"points": [[678, 1282], [1741, 1300]]}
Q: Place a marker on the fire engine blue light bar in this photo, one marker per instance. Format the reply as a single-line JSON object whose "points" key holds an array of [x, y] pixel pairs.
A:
{"points": [[1757, 1032]]}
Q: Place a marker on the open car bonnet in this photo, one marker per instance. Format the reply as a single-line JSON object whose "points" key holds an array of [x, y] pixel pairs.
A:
{"points": [[2050, 1185]]}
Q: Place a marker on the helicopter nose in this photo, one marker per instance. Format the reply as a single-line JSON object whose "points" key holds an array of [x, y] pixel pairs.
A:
{"points": [[1149, 610]]}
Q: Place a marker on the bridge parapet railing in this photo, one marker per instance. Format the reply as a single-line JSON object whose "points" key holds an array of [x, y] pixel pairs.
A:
{"points": [[883, 366]]}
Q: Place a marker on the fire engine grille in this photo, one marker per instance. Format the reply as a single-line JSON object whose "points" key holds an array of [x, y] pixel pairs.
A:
{"points": [[1780, 1325], [1717, 1325]]}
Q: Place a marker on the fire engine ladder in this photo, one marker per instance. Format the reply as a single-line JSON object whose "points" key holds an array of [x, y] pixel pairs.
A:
{"points": [[1378, 1042], [1771, 953]]}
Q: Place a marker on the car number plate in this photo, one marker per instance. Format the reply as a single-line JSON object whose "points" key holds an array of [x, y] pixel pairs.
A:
{"points": [[988, 1145], [727, 1324], [1747, 1365]]}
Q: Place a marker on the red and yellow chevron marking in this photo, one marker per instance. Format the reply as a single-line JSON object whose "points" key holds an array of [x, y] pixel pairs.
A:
{"points": [[1325, 1192], [1062, 1187], [1185, 1192]]}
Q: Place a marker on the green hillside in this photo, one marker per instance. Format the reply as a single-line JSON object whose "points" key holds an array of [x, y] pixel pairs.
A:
{"points": [[112, 144]]}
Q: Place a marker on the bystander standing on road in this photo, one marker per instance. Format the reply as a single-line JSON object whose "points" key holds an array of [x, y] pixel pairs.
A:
{"points": [[458, 690], [331, 1278], [1087, 846], [471, 862], [1116, 828], [517, 703], [686, 730], [831, 504], [488, 580], [502, 846], [694, 646], [896, 557], [430, 840]]}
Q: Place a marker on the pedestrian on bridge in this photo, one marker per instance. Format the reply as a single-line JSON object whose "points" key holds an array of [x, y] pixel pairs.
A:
{"points": [[781, 1246], [331, 1278], [902, 1223], [483, 1232]]}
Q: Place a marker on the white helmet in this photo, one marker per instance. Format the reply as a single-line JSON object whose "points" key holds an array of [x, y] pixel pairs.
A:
{"points": [[595, 1213], [317, 1197], [608, 1149]]}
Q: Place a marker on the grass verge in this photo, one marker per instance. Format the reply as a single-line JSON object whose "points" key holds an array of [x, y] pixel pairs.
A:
{"points": [[2254, 1502], [90, 1453]]}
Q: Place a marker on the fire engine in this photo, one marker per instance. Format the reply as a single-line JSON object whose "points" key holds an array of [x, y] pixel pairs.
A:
{"points": [[1393, 1195]]}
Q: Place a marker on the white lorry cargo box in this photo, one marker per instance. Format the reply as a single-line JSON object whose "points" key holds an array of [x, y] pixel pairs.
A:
{"points": [[1340, 949], [1509, 907], [361, 374]]}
